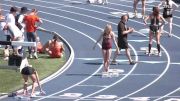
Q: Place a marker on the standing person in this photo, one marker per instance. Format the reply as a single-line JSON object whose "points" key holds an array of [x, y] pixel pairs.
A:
{"points": [[10, 19], [19, 18], [29, 71], [32, 22], [123, 32], [143, 7], [168, 13], [155, 20], [108, 36]]}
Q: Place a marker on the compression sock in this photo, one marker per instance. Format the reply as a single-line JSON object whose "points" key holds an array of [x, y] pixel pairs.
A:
{"points": [[158, 48], [150, 45]]}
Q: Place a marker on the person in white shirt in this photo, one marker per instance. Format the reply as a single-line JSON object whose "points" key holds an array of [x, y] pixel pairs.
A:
{"points": [[10, 18], [19, 18], [168, 13]]}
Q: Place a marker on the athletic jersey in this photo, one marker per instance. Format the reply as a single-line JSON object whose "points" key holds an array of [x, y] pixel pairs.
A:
{"points": [[30, 21], [56, 50], [39, 47], [106, 43], [167, 12], [154, 26]]}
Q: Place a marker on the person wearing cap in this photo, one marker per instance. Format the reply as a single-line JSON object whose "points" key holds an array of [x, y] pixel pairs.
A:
{"points": [[20, 17]]}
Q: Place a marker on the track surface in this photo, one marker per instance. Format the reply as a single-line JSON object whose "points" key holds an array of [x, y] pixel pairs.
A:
{"points": [[153, 78]]}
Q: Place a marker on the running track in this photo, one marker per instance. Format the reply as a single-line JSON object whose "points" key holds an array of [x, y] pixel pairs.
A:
{"points": [[153, 78]]}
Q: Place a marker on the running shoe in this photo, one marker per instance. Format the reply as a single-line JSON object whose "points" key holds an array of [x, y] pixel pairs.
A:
{"points": [[114, 62], [132, 63]]}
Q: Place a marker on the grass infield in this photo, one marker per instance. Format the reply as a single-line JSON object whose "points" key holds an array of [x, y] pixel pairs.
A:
{"points": [[11, 80]]}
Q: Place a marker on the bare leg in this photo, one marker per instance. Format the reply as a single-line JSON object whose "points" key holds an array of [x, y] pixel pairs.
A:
{"points": [[115, 56], [135, 7], [104, 60], [170, 26], [143, 8], [108, 55], [128, 55], [150, 41], [25, 77], [33, 78], [158, 43]]}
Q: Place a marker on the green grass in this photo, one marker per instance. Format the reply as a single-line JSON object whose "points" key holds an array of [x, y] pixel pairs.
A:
{"points": [[11, 80]]}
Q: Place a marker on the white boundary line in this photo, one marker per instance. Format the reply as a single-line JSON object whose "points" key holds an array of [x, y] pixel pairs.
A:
{"points": [[101, 12], [91, 25]]}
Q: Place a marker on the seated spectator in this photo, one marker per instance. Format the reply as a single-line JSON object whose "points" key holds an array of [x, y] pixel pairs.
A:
{"points": [[54, 48], [39, 45]]}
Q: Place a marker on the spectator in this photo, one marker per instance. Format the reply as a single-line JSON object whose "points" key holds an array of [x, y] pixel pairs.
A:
{"points": [[15, 35], [39, 45], [10, 18], [19, 18], [168, 13], [107, 36], [143, 7], [123, 32], [29, 71], [32, 22], [54, 48], [155, 20]]}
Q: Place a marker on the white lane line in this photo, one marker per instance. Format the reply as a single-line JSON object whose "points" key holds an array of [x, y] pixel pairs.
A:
{"points": [[130, 46], [167, 94], [175, 63], [153, 62], [146, 10], [151, 83], [103, 13], [87, 77], [142, 74], [85, 80], [138, 40], [134, 67], [146, 4], [93, 86], [89, 59], [80, 81]]}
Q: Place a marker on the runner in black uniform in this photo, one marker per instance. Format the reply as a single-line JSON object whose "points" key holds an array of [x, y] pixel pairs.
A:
{"points": [[168, 13], [155, 25]]}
